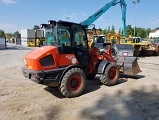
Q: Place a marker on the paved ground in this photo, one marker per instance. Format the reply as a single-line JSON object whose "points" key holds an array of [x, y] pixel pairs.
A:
{"points": [[131, 99]]}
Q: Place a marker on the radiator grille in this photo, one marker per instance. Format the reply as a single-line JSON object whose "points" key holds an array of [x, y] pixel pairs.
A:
{"points": [[47, 61]]}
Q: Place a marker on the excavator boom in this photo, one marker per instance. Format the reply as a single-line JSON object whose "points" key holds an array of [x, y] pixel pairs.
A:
{"points": [[101, 11]]}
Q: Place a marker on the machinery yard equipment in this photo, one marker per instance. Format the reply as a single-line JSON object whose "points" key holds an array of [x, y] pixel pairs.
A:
{"points": [[155, 43], [69, 61], [3, 44], [95, 36], [141, 47], [68, 64]]}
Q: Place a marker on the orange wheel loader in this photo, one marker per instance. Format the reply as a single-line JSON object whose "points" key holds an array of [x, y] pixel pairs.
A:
{"points": [[69, 62]]}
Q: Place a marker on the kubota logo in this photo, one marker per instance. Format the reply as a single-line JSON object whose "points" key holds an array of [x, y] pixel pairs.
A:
{"points": [[70, 56]]}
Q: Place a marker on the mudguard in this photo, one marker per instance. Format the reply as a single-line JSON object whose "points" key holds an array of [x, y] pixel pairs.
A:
{"points": [[102, 66], [68, 68]]}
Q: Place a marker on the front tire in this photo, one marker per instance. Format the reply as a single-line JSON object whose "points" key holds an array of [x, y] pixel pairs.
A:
{"points": [[111, 75], [73, 83]]}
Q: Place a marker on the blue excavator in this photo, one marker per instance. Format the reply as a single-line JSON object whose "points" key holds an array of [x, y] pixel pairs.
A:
{"points": [[100, 40], [101, 11]]}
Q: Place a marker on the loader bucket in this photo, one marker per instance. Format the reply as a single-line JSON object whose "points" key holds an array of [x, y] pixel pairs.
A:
{"points": [[129, 65]]}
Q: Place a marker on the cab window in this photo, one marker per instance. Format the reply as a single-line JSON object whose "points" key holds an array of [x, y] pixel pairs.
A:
{"points": [[63, 35], [79, 36]]}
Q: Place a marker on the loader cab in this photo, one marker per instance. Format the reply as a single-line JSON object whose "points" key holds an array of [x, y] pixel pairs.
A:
{"points": [[69, 38], [99, 39]]}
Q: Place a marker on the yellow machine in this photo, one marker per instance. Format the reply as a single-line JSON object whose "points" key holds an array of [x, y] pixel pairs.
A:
{"points": [[142, 47], [38, 40], [113, 37], [95, 36], [36, 43], [31, 43]]}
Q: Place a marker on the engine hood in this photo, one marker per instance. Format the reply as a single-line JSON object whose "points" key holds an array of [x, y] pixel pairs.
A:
{"points": [[39, 52]]}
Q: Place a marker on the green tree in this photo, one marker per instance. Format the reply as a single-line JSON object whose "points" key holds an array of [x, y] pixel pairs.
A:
{"points": [[104, 31], [2, 33], [129, 30], [108, 29], [113, 29], [8, 35], [148, 30], [141, 32]]}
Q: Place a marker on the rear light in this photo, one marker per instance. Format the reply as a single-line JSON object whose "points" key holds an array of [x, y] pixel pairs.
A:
{"points": [[47, 61], [26, 64], [124, 53], [30, 67]]}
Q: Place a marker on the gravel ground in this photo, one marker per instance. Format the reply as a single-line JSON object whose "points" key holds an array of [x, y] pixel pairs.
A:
{"points": [[133, 98]]}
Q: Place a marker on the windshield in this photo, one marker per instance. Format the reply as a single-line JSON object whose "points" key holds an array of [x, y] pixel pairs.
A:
{"points": [[58, 35], [99, 39], [63, 35], [51, 36], [66, 35]]}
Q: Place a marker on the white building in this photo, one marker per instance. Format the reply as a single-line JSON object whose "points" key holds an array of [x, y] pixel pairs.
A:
{"points": [[154, 34]]}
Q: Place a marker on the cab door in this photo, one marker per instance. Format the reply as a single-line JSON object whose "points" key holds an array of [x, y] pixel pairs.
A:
{"points": [[80, 44]]}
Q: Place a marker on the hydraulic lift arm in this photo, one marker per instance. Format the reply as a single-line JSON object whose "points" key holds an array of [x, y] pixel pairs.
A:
{"points": [[123, 7], [101, 11]]}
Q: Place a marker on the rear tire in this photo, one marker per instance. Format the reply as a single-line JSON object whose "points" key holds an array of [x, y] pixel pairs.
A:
{"points": [[73, 83], [111, 75]]}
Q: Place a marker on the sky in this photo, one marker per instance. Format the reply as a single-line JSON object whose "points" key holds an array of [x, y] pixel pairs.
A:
{"points": [[16, 15]]}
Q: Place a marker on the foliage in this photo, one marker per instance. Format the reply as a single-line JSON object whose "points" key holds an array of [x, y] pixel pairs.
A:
{"points": [[139, 32], [113, 29], [148, 30], [2, 34], [129, 30], [108, 30], [104, 31], [8, 35]]}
